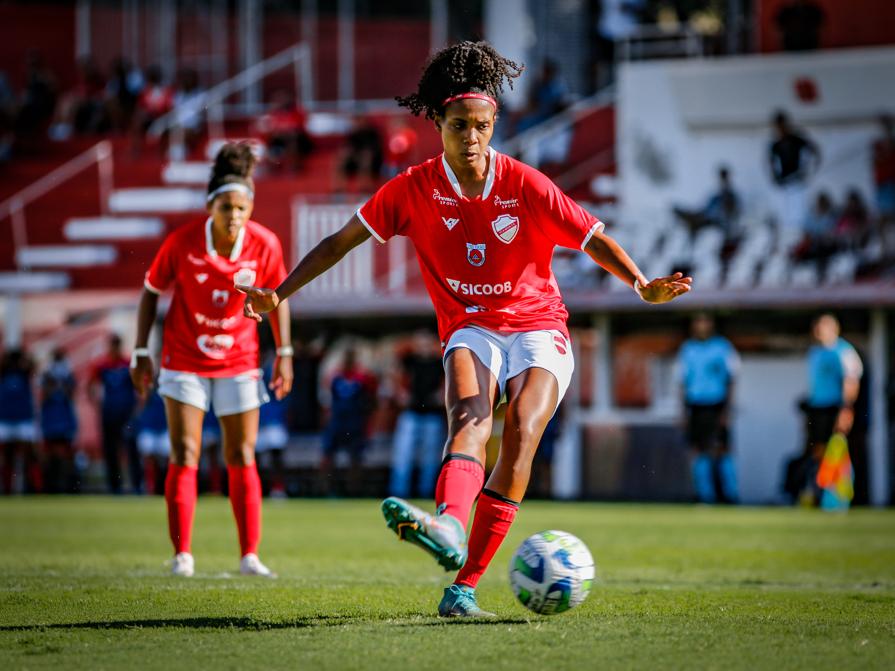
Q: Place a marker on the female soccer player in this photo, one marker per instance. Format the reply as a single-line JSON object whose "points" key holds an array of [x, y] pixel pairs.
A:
{"points": [[210, 353], [484, 227]]}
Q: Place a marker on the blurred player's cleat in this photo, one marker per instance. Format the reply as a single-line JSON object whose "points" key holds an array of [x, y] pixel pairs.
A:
{"points": [[251, 565], [459, 601], [442, 536], [183, 565]]}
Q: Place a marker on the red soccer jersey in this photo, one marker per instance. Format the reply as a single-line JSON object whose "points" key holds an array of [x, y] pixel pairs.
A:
{"points": [[205, 331], [485, 261]]}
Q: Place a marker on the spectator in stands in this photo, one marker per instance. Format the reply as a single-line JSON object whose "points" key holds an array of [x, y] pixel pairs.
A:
{"points": [[189, 101], [283, 129], [834, 378], [818, 241], [39, 97], [58, 425], [548, 95], [800, 23], [82, 110], [361, 165], [111, 389], [400, 146], [18, 432], [273, 437], [618, 20], [793, 158], [304, 401], [153, 443], [8, 110], [853, 227], [884, 181], [708, 367], [721, 210], [421, 429], [352, 401], [122, 91]]}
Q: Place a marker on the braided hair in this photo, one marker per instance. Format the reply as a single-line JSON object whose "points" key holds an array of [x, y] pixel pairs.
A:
{"points": [[467, 67], [233, 164]]}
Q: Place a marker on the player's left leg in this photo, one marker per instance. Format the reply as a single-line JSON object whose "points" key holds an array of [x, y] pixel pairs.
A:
{"points": [[239, 432]]}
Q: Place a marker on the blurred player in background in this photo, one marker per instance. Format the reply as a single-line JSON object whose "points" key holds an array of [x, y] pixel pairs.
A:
{"points": [[18, 430], [484, 227], [210, 354], [708, 366], [273, 437], [58, 425]]}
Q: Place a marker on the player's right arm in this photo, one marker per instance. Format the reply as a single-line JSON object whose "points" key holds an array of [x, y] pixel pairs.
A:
{"points": [[324, 256], [142, 372]]}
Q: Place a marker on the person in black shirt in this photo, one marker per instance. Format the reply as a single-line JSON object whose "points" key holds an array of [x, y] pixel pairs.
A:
{"points": [[793, 159], [799, 23]]}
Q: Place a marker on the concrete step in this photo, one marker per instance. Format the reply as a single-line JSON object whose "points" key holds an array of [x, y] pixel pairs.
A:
{"points": [[187, 172], [157, 199], [66, 256], [23, 282], [113, 228]]}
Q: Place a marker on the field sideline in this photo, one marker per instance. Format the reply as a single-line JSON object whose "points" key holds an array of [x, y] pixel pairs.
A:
{"points": [[83, 585]]}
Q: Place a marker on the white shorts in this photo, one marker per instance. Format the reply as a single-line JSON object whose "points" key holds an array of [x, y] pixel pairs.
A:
{"points": [[18, 432], [228, 395], [508, 354], [153, 443]]}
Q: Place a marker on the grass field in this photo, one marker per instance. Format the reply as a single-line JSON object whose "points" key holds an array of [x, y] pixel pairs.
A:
{"points": [[83, 585]]}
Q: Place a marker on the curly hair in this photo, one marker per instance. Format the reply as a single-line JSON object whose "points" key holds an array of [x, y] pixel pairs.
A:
{"points": [[233, 164], [467, 67]]}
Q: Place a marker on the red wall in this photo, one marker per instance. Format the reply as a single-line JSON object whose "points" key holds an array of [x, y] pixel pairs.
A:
{"points": [[26, 26], [849, 23]]}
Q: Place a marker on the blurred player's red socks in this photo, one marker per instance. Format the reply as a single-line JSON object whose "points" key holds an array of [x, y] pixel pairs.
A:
{"points": [[180, 493], [494, 515], [459, 482], [245, 498]]}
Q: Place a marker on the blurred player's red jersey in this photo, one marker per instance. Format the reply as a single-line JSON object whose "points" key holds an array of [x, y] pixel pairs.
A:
{"points": [[205, 331], [485, 261]]}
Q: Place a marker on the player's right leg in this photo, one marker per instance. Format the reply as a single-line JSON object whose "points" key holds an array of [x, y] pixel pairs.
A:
{"points": [[471, 389]]}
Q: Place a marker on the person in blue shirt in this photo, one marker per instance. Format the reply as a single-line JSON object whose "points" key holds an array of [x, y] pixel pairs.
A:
{"points": [[58, 424], [273, 436], [18, 431], [153, 443], [708, 366]]}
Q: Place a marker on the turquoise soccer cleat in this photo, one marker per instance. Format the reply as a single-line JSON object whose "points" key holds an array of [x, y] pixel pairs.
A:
{"points": [[442, 536], [459, 601]]}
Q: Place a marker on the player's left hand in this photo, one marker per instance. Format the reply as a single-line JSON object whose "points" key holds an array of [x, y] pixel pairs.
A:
{"points": [[845, 420], [281, 381], [664, 289], [258, 301]]}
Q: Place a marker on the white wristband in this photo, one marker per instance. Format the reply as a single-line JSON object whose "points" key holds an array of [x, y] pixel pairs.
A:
{"points": [[285, 350], [138, 353]]}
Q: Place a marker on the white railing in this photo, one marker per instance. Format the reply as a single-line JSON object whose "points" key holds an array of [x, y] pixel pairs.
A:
{"points": [[654, 41], [526, 145], [212, 100], [14, 206]]}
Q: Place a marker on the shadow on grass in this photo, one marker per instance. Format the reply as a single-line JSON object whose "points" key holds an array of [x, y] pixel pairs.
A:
{"points": [[244, 623], [459, 621]]}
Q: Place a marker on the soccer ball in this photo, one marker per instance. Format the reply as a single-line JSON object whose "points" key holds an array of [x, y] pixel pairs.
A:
{"points": [[551, 572]]}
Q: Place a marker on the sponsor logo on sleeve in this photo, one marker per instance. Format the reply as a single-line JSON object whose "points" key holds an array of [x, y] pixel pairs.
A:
{"points": [[475, 254], [215, 346], [450, 222], [505, 228]]}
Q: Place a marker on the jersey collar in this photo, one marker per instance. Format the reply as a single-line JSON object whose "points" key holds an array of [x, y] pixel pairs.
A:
{"points": [[237, 246], [489, 180]]}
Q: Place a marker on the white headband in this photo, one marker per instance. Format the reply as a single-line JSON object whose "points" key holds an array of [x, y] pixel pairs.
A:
{"points": [[232, 186]]}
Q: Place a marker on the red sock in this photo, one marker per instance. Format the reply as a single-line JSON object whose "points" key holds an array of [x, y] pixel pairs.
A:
{"points": [[180, 494], [459, 482], [245, 498], [493, 517]]}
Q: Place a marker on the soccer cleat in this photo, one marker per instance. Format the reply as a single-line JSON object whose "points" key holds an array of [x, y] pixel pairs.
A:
{"points": [[442, 536], [251, 565], [459, 601], [183, 565]]}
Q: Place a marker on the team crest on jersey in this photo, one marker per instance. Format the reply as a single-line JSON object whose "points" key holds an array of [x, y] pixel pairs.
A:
{"points": [[505, 228], [201, 277], [475, 254], [244, 276], [220, 297], [450, 222]]}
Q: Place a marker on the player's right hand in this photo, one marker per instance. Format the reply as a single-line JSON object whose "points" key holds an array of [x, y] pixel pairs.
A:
{"points": [[258, 301], [142, 375]]}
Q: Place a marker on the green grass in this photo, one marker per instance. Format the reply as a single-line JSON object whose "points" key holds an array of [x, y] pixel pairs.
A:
{"points": [[83, 585]]}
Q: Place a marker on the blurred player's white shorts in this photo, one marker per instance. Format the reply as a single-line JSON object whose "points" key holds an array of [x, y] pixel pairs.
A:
{"points": [[18, 432], [508, 354], [228, 395], [272, 437], [153, 443]]}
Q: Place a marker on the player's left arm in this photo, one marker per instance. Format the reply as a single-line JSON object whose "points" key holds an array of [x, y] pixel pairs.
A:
{"points": [[610, 255]]}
